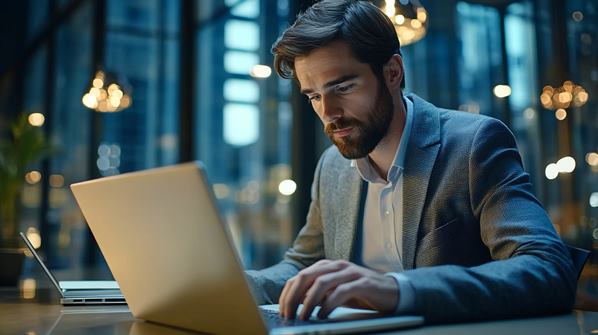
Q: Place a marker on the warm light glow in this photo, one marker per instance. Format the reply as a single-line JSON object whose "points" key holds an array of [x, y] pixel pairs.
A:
{"points": [[36, 119], [545, 99], [105, 96], [551, 171], [409, 19], [568, 86], [502, 91], [95, 91], [125, 101], [560, 114], [33, 177], [416, 24], [90, 101], [566, 164], [117, 94], [28, 288], [389, 8], [582, 97], [594, 199], [400, 19], [260, 71], [112, 88], [565, 97], [592, 158], [287, 187], [56, 180], [114, 101], [34, 237], [422, 15]]}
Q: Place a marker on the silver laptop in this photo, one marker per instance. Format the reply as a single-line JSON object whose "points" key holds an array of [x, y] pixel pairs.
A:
{"points": [[169, 249], [77, 292]]}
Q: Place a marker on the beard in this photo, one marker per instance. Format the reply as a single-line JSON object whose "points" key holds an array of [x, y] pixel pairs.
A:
{"points": [[366, 135]]}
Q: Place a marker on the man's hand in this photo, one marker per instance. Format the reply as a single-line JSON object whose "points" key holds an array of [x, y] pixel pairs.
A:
{"points": [[331, 284]]}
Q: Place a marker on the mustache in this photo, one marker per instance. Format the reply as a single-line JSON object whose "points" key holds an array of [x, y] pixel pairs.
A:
{"points": [[340, 124]]}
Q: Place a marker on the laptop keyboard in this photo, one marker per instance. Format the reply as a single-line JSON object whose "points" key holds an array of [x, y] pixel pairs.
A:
{"points": [[273, 319]]}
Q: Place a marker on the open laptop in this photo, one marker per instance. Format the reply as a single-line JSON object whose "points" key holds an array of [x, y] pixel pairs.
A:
{"points": [[169, 249], [77, 292]]}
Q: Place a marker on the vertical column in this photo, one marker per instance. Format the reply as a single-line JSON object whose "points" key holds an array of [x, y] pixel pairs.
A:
{"points": [[187, 73]]}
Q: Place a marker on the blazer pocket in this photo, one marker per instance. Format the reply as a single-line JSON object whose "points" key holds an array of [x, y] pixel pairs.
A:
{"points": [[440, 235]]}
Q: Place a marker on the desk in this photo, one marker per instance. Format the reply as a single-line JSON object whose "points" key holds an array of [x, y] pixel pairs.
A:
{"points": [[41, 315]]}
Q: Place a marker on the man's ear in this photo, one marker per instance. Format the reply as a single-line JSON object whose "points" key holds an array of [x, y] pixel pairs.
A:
{"points": [[393, 72]]}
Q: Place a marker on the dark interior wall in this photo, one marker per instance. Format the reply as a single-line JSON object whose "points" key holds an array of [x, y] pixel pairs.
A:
{"points": [[13, 31]]}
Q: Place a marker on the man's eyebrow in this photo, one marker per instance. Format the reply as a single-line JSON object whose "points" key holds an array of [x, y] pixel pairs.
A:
{"points": [[332, 83]]}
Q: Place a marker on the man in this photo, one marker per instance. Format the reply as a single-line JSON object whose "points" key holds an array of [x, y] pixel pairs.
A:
{"points": [[415, 209]]}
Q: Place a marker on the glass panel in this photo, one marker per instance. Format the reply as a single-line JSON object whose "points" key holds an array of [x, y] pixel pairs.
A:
{"points": [[135, 14], [241, 35], [33, 102], [521, 59], [146, 132], [241, 90], [244, 8], [66, 242], [243, 126], [480, 58], [239, 62]]}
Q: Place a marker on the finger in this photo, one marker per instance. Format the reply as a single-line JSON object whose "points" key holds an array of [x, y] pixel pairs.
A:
{"points": [[342, 294], [303, 281], [322, 285], [283, 294], [285, 290]]}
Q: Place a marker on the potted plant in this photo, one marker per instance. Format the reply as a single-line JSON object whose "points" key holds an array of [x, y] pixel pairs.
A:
{"points": [[24, 145]]}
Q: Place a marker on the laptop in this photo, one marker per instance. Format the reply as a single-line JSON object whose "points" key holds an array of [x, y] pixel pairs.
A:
{"points": [[167, 246], [95, 292]]}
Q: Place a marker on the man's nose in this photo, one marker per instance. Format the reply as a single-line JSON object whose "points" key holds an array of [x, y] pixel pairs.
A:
{"points": [[331, 109]]}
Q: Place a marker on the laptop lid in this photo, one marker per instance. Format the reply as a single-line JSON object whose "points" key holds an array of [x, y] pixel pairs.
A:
{"points": [[167, 247], [42, 264], [79, 291]]}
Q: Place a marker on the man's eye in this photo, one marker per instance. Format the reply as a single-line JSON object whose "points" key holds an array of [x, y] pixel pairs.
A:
{"points": [[314, 98], [343, 88]]}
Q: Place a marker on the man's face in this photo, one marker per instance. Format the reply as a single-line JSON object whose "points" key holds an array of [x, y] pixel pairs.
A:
{"points": [[354, 105]]}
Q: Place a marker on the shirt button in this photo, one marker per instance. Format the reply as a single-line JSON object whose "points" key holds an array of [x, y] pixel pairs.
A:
{"points": [[387, 212], [387, 245]]}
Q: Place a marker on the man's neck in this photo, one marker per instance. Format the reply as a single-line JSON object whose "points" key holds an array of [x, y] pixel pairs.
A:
{"points": [[383, 155]]}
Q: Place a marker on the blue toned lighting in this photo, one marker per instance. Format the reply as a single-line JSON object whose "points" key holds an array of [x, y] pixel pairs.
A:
{"points": [[244, 8], [241, 124], [241, 35], [239, 62], [241, 90]]}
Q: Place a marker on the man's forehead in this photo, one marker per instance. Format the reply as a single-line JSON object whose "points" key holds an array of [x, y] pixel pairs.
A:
{"points": [[325, 64]]}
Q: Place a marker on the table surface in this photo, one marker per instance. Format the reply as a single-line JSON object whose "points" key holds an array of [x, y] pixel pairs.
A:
{"points": [[37, 312]]}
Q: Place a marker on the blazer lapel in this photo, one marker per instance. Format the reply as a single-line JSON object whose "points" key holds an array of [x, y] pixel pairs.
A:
{"points": [[421, 155], [348, 214]]}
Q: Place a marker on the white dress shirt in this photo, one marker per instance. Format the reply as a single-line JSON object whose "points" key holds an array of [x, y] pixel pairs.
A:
{"points": [[383, 216]]}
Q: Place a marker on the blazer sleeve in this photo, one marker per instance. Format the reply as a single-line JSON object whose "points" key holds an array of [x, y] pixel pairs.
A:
{"points": [[531, 272], [308, 248]]}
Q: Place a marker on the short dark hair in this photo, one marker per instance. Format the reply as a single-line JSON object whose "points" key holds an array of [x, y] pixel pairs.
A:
{"points": [[369, 32]]}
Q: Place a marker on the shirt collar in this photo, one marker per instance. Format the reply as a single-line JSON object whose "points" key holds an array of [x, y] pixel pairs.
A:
{"points": [[365, 168]]}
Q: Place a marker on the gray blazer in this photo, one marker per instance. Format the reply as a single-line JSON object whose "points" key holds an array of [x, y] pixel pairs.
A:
{"points": [[476, 242]]}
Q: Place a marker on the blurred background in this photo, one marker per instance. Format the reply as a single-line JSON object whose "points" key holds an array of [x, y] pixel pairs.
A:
{"points": [[120, 86]]}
